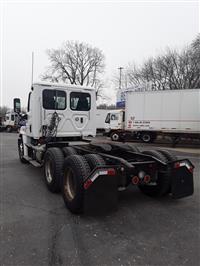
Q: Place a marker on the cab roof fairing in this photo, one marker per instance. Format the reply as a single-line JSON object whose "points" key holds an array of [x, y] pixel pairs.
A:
{"points": [[62, 85]]}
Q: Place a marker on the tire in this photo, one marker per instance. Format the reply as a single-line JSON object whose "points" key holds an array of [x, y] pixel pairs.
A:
{"points": [[69, 151], [157, 154], [94, 160], [115, 136], [9, 129], [132, 147], [169, 156], [76, 170], [21, 151], [163, 182], [126, 146], [147, 137], [53, 169]]}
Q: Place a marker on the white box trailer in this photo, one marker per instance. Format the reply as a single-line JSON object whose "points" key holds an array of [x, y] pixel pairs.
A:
{"points": [[171, 112]]}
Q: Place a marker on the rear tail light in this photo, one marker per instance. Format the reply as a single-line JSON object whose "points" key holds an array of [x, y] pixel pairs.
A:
{"points": [[191, 169], [147, 178], [177, 165], [135, 180], [111, 171]]}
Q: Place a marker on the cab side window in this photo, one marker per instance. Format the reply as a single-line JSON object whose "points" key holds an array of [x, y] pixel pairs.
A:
{"points": [[54, 99], [80, 101], [114, 117]]}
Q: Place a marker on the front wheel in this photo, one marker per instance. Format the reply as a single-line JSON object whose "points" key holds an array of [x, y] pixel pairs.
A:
{"points": [[21, 151], [115, 136]]}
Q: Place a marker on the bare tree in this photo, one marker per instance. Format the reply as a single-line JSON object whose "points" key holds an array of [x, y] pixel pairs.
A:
{"points": [[171, 70], [3, 110], [196, 43], [76, 63]]}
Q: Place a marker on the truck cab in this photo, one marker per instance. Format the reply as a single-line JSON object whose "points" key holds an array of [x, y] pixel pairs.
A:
{"points": [[115, 122], [68, 107]]}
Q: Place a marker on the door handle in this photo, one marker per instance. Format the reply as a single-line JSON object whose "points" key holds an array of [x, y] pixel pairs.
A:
{"points": [[81, 120]]}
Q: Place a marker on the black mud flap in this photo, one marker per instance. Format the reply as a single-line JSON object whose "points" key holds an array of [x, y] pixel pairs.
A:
{"points": [[182, 179], [101, 196]]}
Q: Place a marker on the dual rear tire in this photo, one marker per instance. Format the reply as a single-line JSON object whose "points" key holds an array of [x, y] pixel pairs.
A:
{"points": [[67, 171], [76, 170], [162, 185]]}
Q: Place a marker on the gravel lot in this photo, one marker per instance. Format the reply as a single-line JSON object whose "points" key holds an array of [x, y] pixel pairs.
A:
{"points": [[37, 229]]}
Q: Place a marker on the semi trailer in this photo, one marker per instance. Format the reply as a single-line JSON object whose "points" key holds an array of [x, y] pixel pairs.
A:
{"points": [[57, 137], [147, 114]]}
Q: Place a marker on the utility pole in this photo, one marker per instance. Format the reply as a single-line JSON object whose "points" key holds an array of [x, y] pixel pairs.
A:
{"points": [[120, 77]]}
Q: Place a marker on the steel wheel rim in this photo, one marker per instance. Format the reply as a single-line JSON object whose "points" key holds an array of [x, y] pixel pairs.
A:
{"points": [[48, 171], [115, 136], [69, 184], [146, 138]]}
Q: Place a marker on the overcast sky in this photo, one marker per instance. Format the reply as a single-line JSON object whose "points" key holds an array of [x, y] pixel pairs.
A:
{"points": [[124, 31]]}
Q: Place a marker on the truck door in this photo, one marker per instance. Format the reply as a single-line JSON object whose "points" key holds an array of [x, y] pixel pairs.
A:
{"points": [[54, 100], [80, 104], [115, 121]]}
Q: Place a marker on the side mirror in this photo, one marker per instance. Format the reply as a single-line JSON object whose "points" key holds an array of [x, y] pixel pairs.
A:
{"points": [[17, 105]]}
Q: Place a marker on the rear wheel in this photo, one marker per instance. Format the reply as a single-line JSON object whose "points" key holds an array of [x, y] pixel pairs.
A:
{"points": [[69, 151], [53, 168], [169, 156], [161, 185], [131, 147], [76, 170], [147, 137], [94, 160]]}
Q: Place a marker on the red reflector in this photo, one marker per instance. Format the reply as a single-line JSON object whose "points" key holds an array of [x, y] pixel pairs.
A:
{"points": [[111, 171], [191, 170], [177, 165], [87, 184], [135, 180], [147, 178]]}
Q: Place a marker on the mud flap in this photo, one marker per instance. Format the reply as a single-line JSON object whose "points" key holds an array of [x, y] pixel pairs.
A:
{"points": [[101, 196], [182, 182]]}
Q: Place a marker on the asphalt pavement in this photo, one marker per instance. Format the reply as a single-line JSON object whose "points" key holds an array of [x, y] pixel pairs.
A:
{"points": [[37, 229]]}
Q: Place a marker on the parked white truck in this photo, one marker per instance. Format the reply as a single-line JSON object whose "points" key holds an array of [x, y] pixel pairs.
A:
{"points": [[60, 117], [101, 115], [147, 114], [10, 122]]}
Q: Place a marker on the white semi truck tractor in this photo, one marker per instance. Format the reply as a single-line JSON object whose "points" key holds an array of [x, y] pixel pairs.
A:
{"points": [[60, 118], [147, 114]]}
